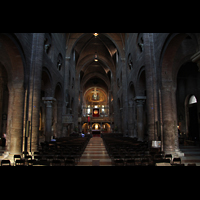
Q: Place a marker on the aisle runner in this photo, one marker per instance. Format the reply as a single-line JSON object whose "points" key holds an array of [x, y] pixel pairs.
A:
{"points": [[95, 150]]}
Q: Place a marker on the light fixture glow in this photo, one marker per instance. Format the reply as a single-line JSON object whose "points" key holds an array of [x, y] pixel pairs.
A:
{"points": [[95, 34]]}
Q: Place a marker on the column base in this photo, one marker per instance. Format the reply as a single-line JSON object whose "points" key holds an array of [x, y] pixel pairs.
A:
{"points": [[178, 153], [175, 153]]}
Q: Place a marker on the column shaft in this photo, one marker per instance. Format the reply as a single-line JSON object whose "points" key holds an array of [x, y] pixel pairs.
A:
{"points": [[48, 132], [16, 126], [168, 120], [140, 119]]}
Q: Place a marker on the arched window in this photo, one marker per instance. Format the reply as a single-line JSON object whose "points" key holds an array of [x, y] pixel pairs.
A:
{"points": [[192, 99]]}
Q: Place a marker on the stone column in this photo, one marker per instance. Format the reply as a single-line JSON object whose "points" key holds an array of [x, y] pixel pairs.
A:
{"points": [[140, 100], [16, 114], [66, 85], [115, 111], [169, 111], [75, 102], [109, 105], [120, 121], [59, 119], [174, 108], [81, 103], [151, 85], [168, 120], [130, 120], [124, 98], [48, 101]]}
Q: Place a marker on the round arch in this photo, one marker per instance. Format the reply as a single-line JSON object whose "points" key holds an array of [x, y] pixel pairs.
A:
{"points": [[170, 60], [106, 127], [12, 58], [96, 126], [172, 54]]}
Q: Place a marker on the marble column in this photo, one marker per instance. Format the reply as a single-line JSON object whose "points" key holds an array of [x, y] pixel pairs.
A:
{"points": [[49, 104], [140, 100]]}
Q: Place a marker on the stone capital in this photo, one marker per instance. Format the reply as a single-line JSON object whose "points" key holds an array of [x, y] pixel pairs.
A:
{"points": [[48, 101], [137, 98], [48, 104], [140, 102]]}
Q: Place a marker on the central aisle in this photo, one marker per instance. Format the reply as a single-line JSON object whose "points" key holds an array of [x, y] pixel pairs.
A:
{"points": [[95, 150]]}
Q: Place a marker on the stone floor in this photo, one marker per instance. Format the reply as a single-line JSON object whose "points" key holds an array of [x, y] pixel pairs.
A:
{"points": [[191, 154], [95, 150]]}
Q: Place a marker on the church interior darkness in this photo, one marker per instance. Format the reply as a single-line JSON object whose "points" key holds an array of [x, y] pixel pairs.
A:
{"points": [[133, 95]]}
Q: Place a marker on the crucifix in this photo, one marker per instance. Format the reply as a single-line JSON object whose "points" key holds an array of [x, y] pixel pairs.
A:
{"points": [[95, 95]]}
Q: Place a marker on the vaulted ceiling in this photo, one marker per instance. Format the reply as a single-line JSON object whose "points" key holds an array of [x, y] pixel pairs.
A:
{"points": [[95, 58]]}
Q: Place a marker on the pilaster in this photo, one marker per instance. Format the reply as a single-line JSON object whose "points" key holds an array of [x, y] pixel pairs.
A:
{"points": [[35, 91]]}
